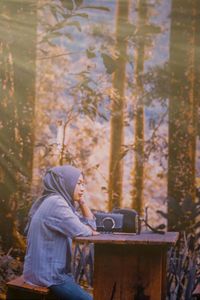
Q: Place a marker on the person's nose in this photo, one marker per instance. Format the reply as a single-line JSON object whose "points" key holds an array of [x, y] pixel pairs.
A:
{"points": [[82, 187]]}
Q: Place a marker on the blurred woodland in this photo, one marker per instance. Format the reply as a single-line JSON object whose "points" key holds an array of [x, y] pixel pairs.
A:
{"points": [[111, 87]]}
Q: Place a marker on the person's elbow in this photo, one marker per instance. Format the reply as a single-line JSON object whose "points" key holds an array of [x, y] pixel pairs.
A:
{"points": [[85, 231]]}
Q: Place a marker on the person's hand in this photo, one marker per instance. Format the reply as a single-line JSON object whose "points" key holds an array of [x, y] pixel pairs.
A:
{"points": [[94, 232], [81, 200]]}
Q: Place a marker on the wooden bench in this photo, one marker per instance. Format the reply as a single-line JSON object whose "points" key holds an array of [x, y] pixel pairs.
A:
{"points": [[18, 289]]}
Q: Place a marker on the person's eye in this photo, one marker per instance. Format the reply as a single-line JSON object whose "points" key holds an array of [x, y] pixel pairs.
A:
{"points": [[81, 183]]}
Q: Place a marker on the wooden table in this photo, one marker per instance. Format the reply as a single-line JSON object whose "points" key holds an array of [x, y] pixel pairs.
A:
{"points": [[130, 266]]}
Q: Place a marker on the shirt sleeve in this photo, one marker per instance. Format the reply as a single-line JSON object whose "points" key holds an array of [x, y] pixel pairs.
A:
{"points": [[62, 219], [89, 222]]}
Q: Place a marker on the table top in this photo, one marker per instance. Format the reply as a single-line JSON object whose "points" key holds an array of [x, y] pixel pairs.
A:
{"points": [[147, 238]]}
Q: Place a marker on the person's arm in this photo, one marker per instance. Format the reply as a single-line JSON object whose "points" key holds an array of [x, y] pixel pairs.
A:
{"points": [[61, 218], [86, 212]]}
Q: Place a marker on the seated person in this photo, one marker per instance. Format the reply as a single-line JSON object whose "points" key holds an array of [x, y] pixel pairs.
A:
{"points": [[53, 223]]}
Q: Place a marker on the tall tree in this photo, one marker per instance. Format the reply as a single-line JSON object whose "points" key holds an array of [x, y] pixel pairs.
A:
{"points": [[18, 56], [138, 169], [117, 114], [184, 73]]}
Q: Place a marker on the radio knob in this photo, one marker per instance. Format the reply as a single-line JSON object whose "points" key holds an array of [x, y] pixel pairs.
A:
{"points": [[108, 223]]}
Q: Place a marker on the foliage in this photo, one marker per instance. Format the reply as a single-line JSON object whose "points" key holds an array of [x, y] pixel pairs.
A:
{"points": [[10, 267], [63, 15], [185, 213], [17, 88], [183, 260], [182, 269]]}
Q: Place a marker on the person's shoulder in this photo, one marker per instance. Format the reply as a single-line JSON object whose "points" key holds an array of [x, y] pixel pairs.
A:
{"points": [[57, 200]]}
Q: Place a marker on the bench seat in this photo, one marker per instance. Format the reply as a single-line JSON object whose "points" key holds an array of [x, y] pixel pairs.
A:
{"points": [[18, 289]]}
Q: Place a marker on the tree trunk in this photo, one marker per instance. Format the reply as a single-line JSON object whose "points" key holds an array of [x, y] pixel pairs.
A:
{"points": [[182, 105], [18, 55], [117, 114], [138, 169]]}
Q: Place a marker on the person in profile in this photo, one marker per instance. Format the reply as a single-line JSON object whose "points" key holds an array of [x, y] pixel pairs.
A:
{"points": [[53, 222]]}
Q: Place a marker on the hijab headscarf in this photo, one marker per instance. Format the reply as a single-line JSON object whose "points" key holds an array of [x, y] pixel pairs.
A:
{"points": [[61, 181]]}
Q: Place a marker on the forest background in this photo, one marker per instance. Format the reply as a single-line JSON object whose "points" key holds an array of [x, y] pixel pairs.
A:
{"points": [[111, 87]]}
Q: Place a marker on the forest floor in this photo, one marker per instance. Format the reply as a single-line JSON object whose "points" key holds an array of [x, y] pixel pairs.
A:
{"points": [[10, 267]]}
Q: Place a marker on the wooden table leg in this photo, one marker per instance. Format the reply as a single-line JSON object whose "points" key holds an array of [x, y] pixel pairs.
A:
{"points": [[129, 272]]}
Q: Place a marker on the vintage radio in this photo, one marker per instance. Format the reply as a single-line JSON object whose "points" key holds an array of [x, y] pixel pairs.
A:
{"points": [[119, 220], [109, 222]]}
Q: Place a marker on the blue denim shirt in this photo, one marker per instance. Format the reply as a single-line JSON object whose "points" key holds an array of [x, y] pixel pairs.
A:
{"points": [[48, 255]]}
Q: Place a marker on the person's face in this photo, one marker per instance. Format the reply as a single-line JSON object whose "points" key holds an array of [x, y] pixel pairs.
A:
{"points": [[79, 189]]}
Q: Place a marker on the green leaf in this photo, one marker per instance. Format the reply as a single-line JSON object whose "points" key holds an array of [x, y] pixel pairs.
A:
{"points": [[82, 15], [90, 54], [109, 63], [51, 35], [63, 24], [68, 4], [74, 23], [68, 35], [58, 26], [97, 7], [54, 11], [78, 2]]}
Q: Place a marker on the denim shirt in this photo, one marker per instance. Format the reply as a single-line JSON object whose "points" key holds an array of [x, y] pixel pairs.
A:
{"points": [[52, 228]]}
